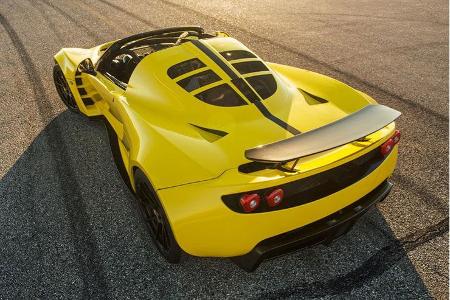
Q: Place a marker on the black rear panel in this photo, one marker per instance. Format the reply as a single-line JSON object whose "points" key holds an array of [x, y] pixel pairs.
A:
{"points": [[314, 187]]}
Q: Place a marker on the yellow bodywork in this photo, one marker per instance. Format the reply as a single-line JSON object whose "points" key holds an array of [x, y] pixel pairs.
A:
{"points": [[157, 126]]}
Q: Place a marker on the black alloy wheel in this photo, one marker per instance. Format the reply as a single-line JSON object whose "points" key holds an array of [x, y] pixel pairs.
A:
{"points": [[156, 220], [63, 89]]}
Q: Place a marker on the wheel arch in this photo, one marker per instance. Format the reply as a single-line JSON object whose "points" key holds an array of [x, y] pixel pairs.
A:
{"points": [[136, 167], [68, 63]]}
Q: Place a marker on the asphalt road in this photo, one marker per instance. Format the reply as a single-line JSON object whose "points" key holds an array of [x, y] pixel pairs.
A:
{"points": [[69, 227]]}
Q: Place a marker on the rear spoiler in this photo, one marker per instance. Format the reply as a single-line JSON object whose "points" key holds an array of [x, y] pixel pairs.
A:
{"points": [[369, 119]]}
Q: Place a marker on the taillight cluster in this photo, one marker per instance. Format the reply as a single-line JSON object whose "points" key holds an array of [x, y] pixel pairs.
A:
{"points": [[250, 202], [387, 147]]}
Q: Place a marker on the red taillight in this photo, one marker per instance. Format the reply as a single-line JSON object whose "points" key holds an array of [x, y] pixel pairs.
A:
{"points": [[386, 148], [396, 136], [275, 198], [250, 202]]}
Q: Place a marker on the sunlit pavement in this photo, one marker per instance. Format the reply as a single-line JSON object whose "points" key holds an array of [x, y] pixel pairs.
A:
{"points": [[70, 227]]}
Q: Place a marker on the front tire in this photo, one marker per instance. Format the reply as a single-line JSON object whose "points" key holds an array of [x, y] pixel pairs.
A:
{"points": [[156, 220], [63, 89]]}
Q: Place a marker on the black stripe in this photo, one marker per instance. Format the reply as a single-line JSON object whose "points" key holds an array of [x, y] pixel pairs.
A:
{"points": [[275, 119], [244, 86], [215, 58], [245, 89]]}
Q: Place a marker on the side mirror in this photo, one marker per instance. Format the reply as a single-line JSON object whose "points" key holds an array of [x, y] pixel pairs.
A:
{"points": [[86, 66]]}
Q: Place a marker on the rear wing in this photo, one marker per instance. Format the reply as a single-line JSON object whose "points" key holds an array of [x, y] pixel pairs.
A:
{"points": [[369, 119]]}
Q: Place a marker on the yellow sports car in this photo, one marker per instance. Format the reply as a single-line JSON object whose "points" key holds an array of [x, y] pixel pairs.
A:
{"points": [[229, 155]]}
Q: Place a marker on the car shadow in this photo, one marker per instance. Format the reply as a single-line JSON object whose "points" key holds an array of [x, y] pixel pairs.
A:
{"points": [[71, 228]]}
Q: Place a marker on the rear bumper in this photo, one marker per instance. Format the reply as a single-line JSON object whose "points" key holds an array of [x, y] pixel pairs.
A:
{"points": [[322, 231], [204, 226]]}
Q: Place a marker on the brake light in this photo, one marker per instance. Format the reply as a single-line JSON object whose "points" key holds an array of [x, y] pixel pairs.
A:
{"points": [[275, 198], [396, 136], [250, 202], [387, 147]]}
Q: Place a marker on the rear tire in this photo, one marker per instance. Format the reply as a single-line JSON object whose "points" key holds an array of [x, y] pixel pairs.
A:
{"points": [[156, 220], [63, 89]]}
